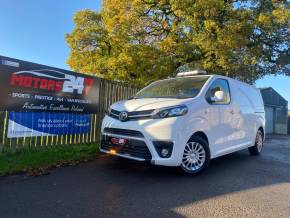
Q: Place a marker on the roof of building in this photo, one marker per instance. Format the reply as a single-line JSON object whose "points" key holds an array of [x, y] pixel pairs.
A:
{"points": [[272, 98]]}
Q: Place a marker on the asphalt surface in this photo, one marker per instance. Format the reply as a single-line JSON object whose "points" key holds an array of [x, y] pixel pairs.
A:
{"points": [[237, 185]]}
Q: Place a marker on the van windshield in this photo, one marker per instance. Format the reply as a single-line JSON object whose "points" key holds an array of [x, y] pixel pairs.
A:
{"points": [[183, 87]]}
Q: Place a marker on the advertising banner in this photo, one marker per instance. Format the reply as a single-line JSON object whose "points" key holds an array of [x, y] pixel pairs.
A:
{"points": [[26, 86], [28, 124]]}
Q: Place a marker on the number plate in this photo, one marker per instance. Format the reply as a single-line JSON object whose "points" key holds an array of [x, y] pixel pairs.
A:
{"points": [[119, 141]]}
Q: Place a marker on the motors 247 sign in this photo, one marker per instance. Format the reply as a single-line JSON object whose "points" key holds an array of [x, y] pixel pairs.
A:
{"points": [[26, 86]]}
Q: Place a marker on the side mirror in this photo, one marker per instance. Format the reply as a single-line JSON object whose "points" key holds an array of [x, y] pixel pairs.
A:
{"points": [[219, 96]]}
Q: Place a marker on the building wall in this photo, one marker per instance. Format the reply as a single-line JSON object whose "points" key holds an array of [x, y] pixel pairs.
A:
{"points": [[281, 129], [274, 100], [289, 122], [276, 120], [280, 122]]}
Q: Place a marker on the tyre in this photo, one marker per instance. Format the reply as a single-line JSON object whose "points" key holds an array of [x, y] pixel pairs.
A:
{"points": [[259, 143], [196, 156]]}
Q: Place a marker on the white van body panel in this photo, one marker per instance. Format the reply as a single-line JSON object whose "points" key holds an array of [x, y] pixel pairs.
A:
{"points": [[228, 128], [246, 116]]}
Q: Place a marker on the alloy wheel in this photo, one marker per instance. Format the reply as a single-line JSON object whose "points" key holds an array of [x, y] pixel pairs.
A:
{"points": [[259, 142], [194, 156]]}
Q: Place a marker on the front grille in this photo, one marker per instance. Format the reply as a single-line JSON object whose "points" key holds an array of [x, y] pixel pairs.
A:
{"points": [[134, 148], [126, 132], [134, 115], [115, 114]]}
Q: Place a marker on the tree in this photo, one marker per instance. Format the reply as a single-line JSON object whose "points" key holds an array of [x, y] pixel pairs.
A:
{"points": [[143, 40]]}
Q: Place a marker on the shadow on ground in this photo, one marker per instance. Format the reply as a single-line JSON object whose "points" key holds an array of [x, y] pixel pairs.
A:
{"points": [[109, 187]]}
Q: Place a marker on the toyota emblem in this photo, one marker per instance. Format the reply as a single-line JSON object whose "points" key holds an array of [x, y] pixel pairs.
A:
{"points": [[123, 116]]}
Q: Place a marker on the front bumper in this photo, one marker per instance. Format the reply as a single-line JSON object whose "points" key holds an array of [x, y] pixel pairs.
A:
{"points": [[135, 148], [122, 155], [168, 129]]}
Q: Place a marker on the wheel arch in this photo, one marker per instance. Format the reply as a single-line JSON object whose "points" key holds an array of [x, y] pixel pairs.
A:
{"points": [[200, 134], [262, 130], [200, 138]]}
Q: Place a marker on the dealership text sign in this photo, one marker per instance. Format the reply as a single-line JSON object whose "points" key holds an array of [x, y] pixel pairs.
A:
{"points": [[26, 86], [28, 124]]}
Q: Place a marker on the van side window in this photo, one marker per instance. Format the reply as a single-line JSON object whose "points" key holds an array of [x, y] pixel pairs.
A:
{"points": [[213, 96]]}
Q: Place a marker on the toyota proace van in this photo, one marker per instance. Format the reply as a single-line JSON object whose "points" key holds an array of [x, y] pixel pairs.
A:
{"points": [[186, 121]]}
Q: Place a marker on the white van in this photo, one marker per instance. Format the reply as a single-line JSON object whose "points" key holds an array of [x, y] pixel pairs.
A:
{"points": [[186, 121]]}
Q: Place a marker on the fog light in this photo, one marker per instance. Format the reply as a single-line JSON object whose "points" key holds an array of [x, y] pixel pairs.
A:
{"points": [[163, 148], [112, 151], [164, 152]]}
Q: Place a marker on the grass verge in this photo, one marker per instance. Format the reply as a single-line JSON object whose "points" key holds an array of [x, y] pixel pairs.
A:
{"points": [[37, 161]]}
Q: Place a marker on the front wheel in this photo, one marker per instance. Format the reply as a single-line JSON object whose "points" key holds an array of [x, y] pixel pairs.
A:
{"points": [[196, 156], [259, 143]]}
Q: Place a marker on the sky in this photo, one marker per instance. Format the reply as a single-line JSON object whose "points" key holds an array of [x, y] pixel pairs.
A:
{"points": [[34, 30]]}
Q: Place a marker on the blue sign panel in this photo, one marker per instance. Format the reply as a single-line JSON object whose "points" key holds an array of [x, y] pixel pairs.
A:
{"points": [[27, 124]]}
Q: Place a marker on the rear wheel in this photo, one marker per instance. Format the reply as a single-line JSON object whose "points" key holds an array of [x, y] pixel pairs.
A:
{"points": [[196, 156], [259, 143]]}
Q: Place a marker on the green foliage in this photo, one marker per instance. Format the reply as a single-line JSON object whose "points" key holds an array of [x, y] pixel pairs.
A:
{"points": [[143, 40], [30, 159]]}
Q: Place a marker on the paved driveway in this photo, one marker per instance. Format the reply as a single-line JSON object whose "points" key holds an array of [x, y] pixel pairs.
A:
{"points": [[238, 185]]}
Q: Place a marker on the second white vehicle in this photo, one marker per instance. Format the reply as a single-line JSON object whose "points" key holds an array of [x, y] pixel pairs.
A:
{"points": [[186, 121]]}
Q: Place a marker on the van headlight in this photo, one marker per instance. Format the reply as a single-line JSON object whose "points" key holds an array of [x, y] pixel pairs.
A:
{"points": [[173, 111]]}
